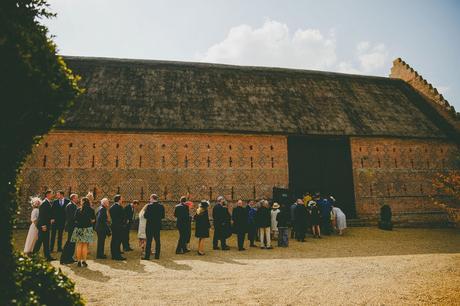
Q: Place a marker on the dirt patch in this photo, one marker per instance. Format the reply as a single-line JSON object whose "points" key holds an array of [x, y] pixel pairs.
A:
{"points": [[367, 266]]}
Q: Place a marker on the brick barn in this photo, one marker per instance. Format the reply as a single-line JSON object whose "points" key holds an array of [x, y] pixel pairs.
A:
{"points": [[178, 128]]}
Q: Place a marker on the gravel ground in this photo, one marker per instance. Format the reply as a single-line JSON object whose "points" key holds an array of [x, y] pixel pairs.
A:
{"points": [[366, 266]]}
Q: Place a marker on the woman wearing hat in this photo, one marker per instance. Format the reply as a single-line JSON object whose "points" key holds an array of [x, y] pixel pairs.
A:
{"points": [[202, 225], [274, 224]]}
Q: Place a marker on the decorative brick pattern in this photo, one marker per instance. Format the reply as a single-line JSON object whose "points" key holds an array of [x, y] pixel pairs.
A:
{"points": [[171, 165], [398, 172]]}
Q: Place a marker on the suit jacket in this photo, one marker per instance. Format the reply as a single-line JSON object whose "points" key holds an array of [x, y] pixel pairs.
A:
{"points": [[240, 219], [129, 213], [101, 220], [44, 214], [181, 212], [301, 216], [154, 213], [70, 210], [263, 217], [84, 217], [58, 211], [118, 216], [220, 215]]}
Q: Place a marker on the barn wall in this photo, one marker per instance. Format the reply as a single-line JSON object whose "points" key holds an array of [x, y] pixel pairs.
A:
{"points": [[171, 165], [399, 172]]}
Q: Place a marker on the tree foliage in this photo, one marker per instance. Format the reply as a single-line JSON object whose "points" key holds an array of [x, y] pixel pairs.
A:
{"points": [[39, 283], [35, 89], [447, 196]]}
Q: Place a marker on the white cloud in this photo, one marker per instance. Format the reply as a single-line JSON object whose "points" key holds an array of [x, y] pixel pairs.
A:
{"points": [[274, 45], [368, 59]]}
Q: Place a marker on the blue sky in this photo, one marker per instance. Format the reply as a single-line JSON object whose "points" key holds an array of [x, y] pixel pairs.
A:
{"points": [[346, 36]]}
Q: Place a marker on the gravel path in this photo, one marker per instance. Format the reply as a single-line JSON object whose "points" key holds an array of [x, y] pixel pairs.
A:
{"points": [[367, 266]]}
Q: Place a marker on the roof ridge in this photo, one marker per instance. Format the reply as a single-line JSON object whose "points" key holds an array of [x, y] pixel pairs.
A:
{"points": [[220, 66]]}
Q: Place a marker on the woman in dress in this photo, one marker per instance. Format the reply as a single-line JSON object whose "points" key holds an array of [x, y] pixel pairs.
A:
{"points": [[32, 235], [340, 219], [274, 224], [315, 218], [83, 232], [202, 225], [141, 235]]}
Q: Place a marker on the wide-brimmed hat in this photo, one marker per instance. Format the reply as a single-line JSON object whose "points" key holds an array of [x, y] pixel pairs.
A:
{"points": [[276, 205]]}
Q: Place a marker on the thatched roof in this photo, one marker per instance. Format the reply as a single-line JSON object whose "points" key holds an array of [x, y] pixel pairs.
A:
{"points": [[147, 95]]}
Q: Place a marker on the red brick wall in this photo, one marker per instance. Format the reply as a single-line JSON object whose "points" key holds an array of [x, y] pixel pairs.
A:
{"points": [[171, 165], [398, 172]]}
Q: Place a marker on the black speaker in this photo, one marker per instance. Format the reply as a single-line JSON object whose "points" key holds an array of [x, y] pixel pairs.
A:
{"points": [[282, 196]]}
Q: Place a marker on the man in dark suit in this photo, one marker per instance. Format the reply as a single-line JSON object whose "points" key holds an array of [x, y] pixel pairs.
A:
{"points": [[58, 211], [45, 218], [219, 216], [154, 213], [118, 225], [240, 223], [69, 247], [181, 212], [129, 217], [102, 228]]}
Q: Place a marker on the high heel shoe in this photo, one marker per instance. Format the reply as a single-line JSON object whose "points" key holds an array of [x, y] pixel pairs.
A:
{"points": [[199, 253]]}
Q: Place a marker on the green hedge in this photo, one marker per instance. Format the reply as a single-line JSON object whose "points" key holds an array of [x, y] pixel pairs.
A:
{"points": [[39, 283], [36, 88]]}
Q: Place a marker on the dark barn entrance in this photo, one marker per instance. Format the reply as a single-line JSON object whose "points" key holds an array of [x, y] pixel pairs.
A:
{"points": [[322, 164]]}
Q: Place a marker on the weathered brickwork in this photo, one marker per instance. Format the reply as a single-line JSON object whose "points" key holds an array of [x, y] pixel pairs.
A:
{"points": [[398, 172], [171, 165]]}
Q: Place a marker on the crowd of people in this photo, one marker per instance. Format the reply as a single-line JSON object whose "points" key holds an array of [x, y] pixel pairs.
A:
{"points": [[259, 221]]}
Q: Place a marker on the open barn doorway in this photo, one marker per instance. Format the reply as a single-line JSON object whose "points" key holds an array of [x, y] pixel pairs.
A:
{"points": [[322, 164]]}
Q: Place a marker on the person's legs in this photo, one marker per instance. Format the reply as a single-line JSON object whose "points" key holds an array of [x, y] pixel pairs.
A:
{"points": [[65, 252], [261, 236], [84, 251], [216, 238], [223, 243], [284, 236], [125, 238], [115, 243], [267, 236], [179, 249], [318, 231], [148, 244], [39, 242], [46, 244], [53, 230], [251, 234], [156, 236], [59, 242], [78, 251], [100, 244], [240, 238]]}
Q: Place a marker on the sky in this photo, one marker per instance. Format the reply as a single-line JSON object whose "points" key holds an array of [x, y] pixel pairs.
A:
{"points": [[350, 36]]}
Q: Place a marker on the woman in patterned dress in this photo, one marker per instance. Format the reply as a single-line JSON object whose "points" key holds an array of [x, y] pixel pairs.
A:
{"points": [[83, 232]]}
